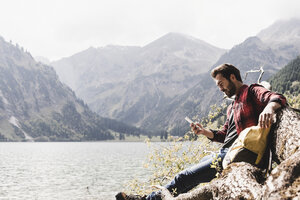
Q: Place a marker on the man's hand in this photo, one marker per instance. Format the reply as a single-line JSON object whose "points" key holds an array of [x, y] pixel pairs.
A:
{"points": [[267, 116], [198, 130]]}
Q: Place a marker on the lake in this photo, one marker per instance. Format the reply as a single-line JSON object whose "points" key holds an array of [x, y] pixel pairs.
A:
{"points": [[88, 170]]}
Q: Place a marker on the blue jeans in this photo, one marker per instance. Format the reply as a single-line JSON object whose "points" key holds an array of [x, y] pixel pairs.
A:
{"points": [[190, 178]]}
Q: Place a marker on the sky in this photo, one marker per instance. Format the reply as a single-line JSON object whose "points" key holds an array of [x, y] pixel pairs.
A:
{"points": [[60, 28]]}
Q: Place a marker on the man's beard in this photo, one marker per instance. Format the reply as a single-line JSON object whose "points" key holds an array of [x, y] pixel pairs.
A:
{"points": [[231, 89]]}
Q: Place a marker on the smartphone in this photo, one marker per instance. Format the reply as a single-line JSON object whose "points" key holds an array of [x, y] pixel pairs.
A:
{"points": [[189, 120]]}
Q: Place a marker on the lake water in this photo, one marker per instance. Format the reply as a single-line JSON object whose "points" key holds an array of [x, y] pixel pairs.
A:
{"points": [[96, 170]]}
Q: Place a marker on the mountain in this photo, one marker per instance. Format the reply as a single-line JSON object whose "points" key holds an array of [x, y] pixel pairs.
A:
{"points": [[36, 106], [97, 66], [249, 55], [163, 87], [131, 83], [283, 36], [178, 52], [288, 78], [252, 54]]}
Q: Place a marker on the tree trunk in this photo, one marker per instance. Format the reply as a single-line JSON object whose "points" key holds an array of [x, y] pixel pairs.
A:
{"points": [[245, 181]]}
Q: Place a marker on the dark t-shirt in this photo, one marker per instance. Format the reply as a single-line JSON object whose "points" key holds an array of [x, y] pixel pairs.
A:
{"points": [[231, 132]]}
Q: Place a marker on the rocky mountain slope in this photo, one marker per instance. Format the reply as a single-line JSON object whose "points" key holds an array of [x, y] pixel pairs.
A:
{"points": [[249, 55], [36, 106], [283, 36], [130, 83]]}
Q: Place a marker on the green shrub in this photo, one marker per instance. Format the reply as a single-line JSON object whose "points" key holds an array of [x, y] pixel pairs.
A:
{"points": [[166, 159]]}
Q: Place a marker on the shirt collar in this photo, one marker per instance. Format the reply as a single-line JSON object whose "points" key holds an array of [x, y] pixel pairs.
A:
{"points": [[242, 89]]}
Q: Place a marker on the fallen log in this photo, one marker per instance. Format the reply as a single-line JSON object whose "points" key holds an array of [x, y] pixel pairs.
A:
{"points": [[245, 181]]}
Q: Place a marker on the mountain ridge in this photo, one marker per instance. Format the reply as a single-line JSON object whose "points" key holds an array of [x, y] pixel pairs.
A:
{"points": [[173, 83], [164, 69], [36, 106]]}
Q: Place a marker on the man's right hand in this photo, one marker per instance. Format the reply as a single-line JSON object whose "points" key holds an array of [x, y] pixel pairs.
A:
{"points": [[199, 130]]}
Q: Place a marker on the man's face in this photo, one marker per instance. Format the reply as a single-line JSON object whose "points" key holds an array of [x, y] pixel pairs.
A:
{"points": [[226, 86]]}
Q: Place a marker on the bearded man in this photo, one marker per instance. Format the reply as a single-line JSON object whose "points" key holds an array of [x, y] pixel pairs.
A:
{"points": [[253, 105]]}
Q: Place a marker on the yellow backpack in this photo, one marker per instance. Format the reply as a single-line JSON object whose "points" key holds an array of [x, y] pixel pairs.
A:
{"points": [[249, 147]]}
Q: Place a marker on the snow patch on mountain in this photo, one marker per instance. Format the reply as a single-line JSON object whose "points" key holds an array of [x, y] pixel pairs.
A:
{"points": [[14, 121]]}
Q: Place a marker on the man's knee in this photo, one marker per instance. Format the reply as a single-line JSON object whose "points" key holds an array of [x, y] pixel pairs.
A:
{"points": [[183, 175]]}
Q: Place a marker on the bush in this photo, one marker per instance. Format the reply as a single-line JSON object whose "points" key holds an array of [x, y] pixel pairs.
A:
{"points": [[166, 159]]}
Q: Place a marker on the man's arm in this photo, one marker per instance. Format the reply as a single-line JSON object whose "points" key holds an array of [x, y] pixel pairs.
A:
{"points": [[272, 102]]}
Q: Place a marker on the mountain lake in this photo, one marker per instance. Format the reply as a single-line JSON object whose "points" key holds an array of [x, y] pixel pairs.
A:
{"points": [[69, 170]]}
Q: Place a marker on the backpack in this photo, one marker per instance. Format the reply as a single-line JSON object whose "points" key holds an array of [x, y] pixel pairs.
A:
{"points": [[249, 147]]}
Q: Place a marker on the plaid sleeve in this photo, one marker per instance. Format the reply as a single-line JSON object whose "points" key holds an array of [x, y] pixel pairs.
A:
{"points": [[265, 96]]}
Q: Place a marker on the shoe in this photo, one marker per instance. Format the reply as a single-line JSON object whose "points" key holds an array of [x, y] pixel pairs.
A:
{"points": [[123, 196]]}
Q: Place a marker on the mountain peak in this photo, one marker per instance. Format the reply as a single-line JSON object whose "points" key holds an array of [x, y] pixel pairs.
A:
{"points": [[281, 31], [2, 39], [17, 52], [174, 41], [252, 40], [178, 35]]}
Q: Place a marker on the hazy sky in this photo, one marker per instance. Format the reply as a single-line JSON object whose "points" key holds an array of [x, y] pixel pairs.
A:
{"points": [[61, 28]]}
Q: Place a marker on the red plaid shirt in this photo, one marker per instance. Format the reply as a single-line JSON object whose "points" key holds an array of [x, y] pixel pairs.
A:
{"points": [[247, 106]]}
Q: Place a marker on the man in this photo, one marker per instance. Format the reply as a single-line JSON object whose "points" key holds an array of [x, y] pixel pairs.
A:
{"points": [[253, 105]]}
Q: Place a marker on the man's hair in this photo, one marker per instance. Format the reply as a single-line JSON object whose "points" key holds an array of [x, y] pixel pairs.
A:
{"points": [[226, 70]]}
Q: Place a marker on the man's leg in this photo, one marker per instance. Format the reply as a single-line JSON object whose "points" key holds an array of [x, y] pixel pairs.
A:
{"points": [[190, 178]]}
